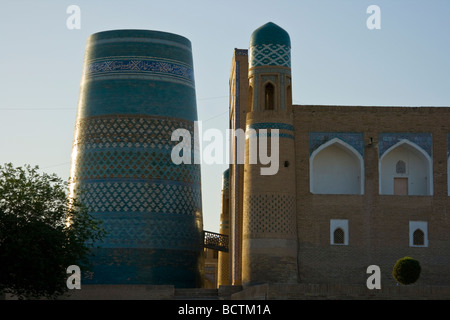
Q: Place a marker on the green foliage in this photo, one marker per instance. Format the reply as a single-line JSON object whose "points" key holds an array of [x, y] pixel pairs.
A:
{"points": [[42, 232], [406, 270]]}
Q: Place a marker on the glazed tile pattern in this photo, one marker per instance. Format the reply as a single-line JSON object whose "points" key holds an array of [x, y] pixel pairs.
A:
{"points": [[146, 67], [423, 140], [284, 130], [271, 125], [270, 55], [153, 197], [131, 147], [156, 232], [356, 140]]}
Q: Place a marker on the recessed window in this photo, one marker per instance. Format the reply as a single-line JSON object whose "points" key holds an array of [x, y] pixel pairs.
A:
{"points": [[418, 238], [339, 232], [338, 236], [418, 234], [269, 97], [400, 167]]}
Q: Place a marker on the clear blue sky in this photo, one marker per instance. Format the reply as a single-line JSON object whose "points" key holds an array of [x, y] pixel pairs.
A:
{"points": [[336, 60]]}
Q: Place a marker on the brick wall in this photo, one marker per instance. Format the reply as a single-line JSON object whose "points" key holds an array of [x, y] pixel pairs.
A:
{"points": [[378, 224]]}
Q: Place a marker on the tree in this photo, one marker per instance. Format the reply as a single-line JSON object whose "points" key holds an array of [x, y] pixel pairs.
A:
{"points": [[406, 270], [42, 232]]}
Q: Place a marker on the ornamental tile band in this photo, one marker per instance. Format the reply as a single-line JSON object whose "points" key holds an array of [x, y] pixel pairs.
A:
{"points": [[270, 54], [271, 125], [109, 196], [423, 140], [141, 66], [356, 140]]}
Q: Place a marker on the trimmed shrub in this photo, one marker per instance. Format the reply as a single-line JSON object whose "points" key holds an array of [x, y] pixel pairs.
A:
{"points": [[406, 270]]}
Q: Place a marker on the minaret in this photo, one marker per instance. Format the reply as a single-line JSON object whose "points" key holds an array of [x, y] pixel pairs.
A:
{"points": [[137, 88], [269, 247]]}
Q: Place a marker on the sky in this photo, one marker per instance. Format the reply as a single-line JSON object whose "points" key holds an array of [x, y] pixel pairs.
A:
{"points": [[336, 60]]}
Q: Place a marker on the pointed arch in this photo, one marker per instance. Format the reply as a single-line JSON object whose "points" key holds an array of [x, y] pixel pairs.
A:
{"points": [[339, 232], [338, 236], [336, 168], [418, 238], [269, 96], [418, 234], [419, 173]]}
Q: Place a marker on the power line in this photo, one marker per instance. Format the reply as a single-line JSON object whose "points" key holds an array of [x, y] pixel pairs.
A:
{"points": [[211, 98], [216, 116]]}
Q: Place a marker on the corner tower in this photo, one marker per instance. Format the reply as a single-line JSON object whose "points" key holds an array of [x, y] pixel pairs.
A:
{"points": [[269, 245]]}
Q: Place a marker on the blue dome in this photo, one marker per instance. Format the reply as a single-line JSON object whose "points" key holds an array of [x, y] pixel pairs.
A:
{"points": [[270, 33]]}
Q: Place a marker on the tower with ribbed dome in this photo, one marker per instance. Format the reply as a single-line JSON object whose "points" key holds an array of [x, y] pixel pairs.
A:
{"points": [[269, 234]]}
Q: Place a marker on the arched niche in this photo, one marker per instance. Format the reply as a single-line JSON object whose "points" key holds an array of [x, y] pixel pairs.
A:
{"points": [[269, 96], [336, 168], [416, 179]]}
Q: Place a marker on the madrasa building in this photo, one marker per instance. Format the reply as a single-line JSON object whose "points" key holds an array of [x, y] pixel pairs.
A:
{"points": [[356, 185]]}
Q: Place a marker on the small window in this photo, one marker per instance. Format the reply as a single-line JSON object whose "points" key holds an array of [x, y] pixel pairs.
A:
{"points": [[418, 234], [418, 238], [269, 97], [400, 167], [338, 236], [339, 232]]}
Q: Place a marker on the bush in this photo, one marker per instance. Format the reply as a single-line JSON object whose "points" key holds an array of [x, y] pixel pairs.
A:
{"points": [[43, 230], [406, 270]]}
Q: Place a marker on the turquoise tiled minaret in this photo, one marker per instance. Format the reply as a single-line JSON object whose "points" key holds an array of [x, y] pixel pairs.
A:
{"points": [[137, 88]]}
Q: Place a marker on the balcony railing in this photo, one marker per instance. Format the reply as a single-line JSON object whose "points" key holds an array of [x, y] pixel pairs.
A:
{"points": [[215, 241]]}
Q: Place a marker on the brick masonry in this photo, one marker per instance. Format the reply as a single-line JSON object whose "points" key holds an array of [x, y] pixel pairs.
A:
{"points": [[378, 224]]}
